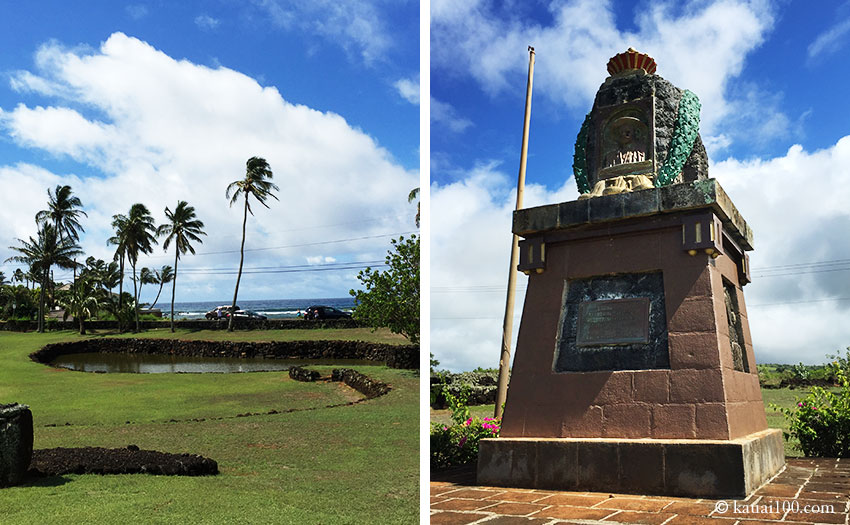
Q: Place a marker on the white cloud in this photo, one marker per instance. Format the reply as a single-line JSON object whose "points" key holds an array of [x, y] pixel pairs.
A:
{"points": [[830, 41], [319, 259], [137, 11], [699, 46], [408, 88], [170, 130], [207, 22], [356, 25], [796, 205], [470, 253], [445, 114]]}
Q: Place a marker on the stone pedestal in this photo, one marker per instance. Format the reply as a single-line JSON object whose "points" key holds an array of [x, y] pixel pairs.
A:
{"points": [[16, 439], [634, 359]]}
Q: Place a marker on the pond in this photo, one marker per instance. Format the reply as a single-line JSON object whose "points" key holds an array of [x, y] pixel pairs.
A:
{"points": [[171, 364]]}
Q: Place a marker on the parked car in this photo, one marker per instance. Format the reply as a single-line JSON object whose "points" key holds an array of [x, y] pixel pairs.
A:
{"points": [[325, 312], [219, 312], [247, 314]]}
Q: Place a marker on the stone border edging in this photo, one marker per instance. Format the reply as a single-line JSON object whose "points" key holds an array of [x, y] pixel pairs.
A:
{"points": [[364, 384], [393, 356]]}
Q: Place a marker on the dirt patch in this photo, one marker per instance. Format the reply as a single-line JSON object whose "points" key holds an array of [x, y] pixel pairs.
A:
{"points": [[130, 460], [348, 393]]}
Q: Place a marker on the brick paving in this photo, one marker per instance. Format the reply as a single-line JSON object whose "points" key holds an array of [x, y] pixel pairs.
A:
{"points": [[807, 491]]}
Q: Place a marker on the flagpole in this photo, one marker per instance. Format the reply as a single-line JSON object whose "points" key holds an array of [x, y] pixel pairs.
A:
{"points": [[507, 325]]}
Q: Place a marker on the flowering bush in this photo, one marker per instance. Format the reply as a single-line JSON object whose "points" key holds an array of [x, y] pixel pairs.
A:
{"points": [[457, 444], [821, 421]]}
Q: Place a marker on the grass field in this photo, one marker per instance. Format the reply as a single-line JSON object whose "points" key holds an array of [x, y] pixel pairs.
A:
{"points": [[350, 464], [783, 397]]}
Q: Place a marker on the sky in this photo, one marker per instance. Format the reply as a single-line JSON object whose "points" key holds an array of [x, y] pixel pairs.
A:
{"points": [[775, 120], [154, 102]]}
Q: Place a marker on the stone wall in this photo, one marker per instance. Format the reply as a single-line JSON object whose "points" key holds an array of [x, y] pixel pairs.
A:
{"points": [[192, 324], [480, 387], [15, 443], [299, 373], [367, 386], [393, 356]]}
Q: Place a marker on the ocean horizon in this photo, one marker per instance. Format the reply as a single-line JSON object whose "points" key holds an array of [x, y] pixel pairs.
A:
{"points": [[272, 308]]}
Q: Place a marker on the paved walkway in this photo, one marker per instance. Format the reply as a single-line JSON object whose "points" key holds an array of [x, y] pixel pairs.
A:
{"points": [[807, 491]]}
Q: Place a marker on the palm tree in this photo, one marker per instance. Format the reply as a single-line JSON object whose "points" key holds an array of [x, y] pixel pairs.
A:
{"points": [[42, 253], [163, 276], [254, 183], [63, 210], [119, 224], [2, 278], [82, 300], [146, 276], [134, 236], [19, 276], [182, 227], [111, 276], [410, 196]]}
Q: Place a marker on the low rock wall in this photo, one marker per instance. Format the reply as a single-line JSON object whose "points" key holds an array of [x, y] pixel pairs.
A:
{"points": [[393, 356], [192, 324], [15, 443], [367, 386], [302, 374]]}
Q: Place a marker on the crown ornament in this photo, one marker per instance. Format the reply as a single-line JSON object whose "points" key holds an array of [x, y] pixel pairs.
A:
{"points": [[631, 60]]}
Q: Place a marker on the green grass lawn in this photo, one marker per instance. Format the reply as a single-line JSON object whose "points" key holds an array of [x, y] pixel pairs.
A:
{"points": [[783, 397], [349, 464]]}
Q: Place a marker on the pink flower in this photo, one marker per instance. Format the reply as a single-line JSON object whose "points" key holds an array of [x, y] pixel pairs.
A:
{"points": [[445, 428], [468, 421], [799, 404], [462, 441]]}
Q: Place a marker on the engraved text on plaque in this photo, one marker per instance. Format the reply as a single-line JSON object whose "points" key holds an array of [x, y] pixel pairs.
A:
{"points": [[612, 322]]}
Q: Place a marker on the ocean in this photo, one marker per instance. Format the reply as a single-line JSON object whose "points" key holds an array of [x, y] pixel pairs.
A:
{"points": [[272, 308]]}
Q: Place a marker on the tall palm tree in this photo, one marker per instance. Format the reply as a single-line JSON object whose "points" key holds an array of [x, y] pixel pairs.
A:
{"points": [[63, 210], [181, 228], [255, 183], [111, 276], [42, 253], [163, 276], [120, 225], [2, 278], [146, 276], [136, 237]]}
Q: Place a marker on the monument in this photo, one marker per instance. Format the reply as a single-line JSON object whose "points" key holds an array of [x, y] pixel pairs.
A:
{"points": [[634, 369]]}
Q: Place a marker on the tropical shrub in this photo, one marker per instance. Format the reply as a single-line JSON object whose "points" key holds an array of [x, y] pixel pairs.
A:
{"points": [[478, 388], [821, 421], [457, 444], [391, 297]]}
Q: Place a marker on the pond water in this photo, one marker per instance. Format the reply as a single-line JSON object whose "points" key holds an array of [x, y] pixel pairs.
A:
{"points": [[170, 364]]}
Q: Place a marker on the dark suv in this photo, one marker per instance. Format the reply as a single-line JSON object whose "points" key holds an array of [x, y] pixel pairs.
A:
{"points": [[325, 312]]}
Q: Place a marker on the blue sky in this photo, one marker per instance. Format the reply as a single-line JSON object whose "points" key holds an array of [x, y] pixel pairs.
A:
{"points": [[774, 119], [156, 102]]}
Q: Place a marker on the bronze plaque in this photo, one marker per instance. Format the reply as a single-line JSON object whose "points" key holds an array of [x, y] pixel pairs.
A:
{"points": [[613, 322]]}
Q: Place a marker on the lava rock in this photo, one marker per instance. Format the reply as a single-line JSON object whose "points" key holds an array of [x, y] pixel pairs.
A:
{"points": [[302, 374], [97, 460], [15, 443]]}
